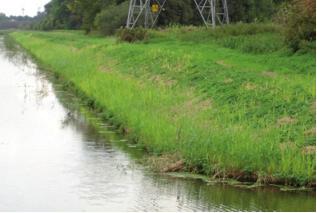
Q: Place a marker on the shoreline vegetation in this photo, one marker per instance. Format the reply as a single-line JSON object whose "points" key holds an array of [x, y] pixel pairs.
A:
{"points": [[230, 103]]}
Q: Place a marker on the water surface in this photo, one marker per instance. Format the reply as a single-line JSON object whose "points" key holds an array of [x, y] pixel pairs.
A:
{"points": [[52, 158]]}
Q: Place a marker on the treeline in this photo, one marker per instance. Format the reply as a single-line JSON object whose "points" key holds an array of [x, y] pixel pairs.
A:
{"points": [[298, 17], [108, 15], [14, 22]]}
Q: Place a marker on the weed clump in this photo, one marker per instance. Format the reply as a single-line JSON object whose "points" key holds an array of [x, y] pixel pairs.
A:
{"points": [[132, 35], [243, 29]]}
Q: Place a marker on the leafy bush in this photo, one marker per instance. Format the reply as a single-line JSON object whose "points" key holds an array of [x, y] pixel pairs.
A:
{"points": [[299, 21], [132, 35], [112, 18]]}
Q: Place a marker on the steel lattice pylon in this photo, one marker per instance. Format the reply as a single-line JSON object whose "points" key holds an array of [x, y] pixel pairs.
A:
{"points": [[212, 12]]}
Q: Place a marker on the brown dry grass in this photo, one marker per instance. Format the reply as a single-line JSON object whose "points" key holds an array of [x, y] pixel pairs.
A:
{"points": [[309, 150], [286, 121], [269, 74], [224, 64], [249, 86], [166, 163], [160, 80]]}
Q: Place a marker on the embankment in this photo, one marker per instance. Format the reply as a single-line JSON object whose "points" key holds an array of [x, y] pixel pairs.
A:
{"points": [[229, 103]]}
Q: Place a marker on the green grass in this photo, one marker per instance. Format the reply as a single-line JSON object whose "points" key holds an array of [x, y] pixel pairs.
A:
{"points": [[230, 100]]}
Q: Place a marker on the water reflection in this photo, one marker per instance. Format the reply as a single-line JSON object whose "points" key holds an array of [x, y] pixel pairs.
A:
{"points": [[52, 158]]}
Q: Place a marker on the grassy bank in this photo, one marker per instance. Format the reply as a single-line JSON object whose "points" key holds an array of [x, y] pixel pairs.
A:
{"points": [[232, 102]]}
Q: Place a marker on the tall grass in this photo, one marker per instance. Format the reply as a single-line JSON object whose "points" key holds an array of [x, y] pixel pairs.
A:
{"points": [[223, 104]]}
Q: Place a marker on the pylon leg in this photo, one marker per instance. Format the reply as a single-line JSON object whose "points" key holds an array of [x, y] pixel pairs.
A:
{"points": [[226, 12], [213, 11]]}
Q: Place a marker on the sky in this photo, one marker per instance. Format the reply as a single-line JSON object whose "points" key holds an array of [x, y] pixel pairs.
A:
{"points": [[14, 7]]}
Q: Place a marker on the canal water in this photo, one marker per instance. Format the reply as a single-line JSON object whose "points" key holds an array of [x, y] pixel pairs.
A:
{"points": [[54, 157]]}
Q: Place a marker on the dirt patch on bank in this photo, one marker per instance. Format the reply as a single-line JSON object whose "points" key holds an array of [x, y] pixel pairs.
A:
{"points": [[286, 121], [269, 74]]}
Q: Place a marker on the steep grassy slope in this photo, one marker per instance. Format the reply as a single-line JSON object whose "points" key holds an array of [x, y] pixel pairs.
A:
{"points": [[231, 102]]}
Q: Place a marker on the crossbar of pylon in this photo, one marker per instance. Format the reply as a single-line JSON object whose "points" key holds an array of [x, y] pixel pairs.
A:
{"points": [[211, 12]]}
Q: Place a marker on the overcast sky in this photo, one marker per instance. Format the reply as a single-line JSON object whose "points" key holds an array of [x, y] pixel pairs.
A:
{"points": [[14, 7]]}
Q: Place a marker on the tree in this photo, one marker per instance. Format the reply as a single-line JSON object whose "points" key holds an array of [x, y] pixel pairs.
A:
{"points": [[111, 18], [299, 21], [87, 10]]}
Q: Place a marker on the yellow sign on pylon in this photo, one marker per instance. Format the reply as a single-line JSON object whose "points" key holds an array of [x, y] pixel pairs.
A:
{"points": [[155, 8]]}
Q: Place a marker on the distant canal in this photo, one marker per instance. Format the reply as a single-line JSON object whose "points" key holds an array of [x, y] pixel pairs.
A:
{"points": [[54, 158]]}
